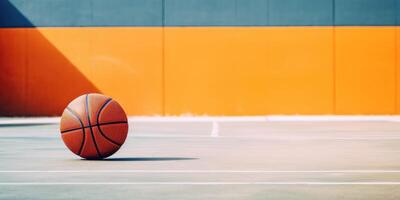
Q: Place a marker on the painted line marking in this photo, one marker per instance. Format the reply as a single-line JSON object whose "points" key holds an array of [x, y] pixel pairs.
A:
{"points": [[215, 135], [197, 183], [201, 171], [262, 137], [215, 129], [228, 137]]}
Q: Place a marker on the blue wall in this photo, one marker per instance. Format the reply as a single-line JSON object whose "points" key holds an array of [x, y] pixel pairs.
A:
{"points": [[76, 13]]}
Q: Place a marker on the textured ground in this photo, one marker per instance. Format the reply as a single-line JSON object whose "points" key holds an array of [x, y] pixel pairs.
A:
{"points": [[181, 160]]}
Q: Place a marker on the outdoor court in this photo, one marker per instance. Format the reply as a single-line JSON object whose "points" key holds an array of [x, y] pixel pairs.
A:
{"points": [[209, 158]]}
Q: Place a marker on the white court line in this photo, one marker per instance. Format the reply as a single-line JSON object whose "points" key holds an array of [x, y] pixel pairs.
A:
{"points": [[262, 137], [215, 129], [197, 183], [201, 171], [243, 137]]}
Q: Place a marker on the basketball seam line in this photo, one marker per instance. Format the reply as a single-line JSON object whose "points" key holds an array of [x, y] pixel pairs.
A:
{"points": [[82, 127], [98, 126], [102, 124], [91, 130]]}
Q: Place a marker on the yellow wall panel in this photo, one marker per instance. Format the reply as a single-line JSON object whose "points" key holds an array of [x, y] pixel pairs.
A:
{"points": [[398, 70], [248, 71], [299, 76], [199, 71], [58, 60], [127, 64], [365, 70], [250, 59], [63, 63]]}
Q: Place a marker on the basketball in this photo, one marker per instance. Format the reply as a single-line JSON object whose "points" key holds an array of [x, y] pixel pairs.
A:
{"points": [[94, 126]]}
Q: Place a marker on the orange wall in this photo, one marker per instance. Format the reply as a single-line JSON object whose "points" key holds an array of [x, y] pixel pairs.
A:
{"points": [[203, 70], [398, 70], [365, 70], [248, 71], [13, 71]]}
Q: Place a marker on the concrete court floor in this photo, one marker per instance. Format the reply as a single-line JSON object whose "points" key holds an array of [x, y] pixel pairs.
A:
{"points": [[180, 160]]}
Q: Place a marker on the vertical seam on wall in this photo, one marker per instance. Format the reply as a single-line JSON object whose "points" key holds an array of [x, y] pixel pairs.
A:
{"points": [[91, 13], [268, 13], [333, 57], [396, 61], [163, 87], [396, 50], [90, 32], [268, 48], [236, 13]]}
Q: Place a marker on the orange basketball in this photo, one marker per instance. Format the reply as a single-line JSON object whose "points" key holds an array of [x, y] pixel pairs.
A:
{"points": [[94, 126]]}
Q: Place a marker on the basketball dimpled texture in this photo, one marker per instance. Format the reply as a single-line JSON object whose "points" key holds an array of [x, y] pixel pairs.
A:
{"points": [[94, 126]]}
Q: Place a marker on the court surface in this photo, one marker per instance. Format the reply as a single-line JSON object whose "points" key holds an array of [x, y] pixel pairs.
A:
{"points": [[260, 159]]}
